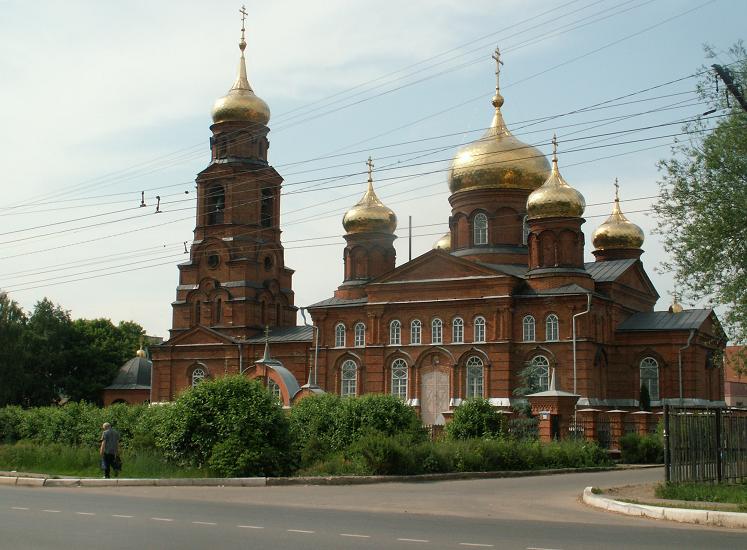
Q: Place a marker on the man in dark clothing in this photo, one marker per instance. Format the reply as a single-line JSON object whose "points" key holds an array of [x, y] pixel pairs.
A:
{"points": [[109, 448]]}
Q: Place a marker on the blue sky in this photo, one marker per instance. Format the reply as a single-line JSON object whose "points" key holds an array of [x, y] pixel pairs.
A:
{"points": [[101, 101]]}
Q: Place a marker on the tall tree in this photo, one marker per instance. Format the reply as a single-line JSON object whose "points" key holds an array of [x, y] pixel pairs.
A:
{"points": [[12, 351], [703, 201]]}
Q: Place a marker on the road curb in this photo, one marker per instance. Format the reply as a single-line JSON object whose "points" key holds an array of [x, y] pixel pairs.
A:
{"points": [[681, 515]]}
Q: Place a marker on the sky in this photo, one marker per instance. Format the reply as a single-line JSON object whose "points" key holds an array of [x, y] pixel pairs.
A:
{"points": [[102, 102]]}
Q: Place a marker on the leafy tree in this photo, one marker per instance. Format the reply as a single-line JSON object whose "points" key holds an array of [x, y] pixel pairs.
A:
{"points": [[645, 400], [12, 352], [475, 418], [703, 200]]}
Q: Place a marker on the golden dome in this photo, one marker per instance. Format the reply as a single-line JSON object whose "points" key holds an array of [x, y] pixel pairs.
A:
{"points": [[241, 104], [444, 243], [555, 198], [617, 231], [140, 352], [369, 215], [498, 159]]}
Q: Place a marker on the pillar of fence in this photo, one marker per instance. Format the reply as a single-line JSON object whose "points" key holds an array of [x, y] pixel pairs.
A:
{"points": [[641, 420], [588, 420], [615, 418]]}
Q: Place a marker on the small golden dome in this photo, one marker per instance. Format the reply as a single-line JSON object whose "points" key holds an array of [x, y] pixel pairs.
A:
{"points": [[241, 104], [498, 160], [617, 231], [369, 215], [676, 307], [140, 352], [555, 198], [444, 243]]}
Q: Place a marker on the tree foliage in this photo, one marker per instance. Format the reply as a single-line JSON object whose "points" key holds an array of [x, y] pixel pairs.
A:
{"points": [[703, 200], [475, 418]]}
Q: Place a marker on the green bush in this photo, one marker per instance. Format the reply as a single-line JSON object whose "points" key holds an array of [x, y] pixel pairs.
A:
{"points": [[383, 455], [10, 420], [327, 424], [641, 449], [475, 418], [231, 424]]}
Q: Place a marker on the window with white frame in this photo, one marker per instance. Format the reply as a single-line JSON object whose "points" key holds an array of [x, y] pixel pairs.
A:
{"points": [[395, 333], [399, 378], [540, 372], [551, 328], [479, 335], [457, 331], [359, 332], [481, 229], [416, 330], [475, 377], [437, 331], [650, 377], [339, 335], [348, 378], [274, 388], [528, 324], [198, 375]]}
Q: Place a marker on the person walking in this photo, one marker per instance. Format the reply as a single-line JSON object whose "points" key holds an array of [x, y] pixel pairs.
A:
{"points": [[109, 449]]}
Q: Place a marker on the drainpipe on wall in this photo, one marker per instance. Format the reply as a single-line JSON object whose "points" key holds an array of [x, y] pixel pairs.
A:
{"points": [[679, 361], [588, 308], [241, 357]]}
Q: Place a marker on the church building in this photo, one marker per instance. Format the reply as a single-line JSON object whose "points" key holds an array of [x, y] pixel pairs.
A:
{"points": [[505, 289]]}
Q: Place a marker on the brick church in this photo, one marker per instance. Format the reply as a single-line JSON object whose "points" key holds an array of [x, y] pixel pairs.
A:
{"points": [[505, 289]]}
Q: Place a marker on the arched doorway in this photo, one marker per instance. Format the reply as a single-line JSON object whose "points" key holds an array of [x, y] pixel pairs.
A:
{"points": [[434, 393]]}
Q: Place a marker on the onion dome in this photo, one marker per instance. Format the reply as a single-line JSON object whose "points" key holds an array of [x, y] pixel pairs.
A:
{"points": [[241, 104], [617, 231], [369, 215], [444, 243], [498, 160], [555, 198], [140, 352]]}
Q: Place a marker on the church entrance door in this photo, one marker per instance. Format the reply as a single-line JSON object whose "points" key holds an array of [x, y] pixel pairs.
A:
{"points": [[434, 394]]}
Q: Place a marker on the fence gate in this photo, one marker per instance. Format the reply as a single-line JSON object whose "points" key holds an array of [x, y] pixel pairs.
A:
{"points": [[705, 444]]}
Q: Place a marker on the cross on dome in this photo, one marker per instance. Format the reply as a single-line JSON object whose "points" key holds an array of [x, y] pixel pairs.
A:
{"points": [[370, 165], [243, 13]]}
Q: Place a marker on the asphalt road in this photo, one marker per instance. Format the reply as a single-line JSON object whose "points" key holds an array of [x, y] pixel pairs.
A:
{"points": [[521, 513]]}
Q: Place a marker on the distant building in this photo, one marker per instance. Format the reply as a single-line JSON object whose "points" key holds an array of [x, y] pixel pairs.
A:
{"points": [[132, 383], [501, 291]]}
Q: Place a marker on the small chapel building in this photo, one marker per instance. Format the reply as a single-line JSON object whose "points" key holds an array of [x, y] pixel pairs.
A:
{"points": [[505, 289]]}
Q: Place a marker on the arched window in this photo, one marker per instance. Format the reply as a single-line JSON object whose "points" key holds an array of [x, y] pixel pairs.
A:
{"points": [[540, 372], [348, 378], [528, 324], [218, 311], [457, 331], [480, 225], [475, 377], [359, 334], [266, 207], [198, 375], [197, 313], [395, 333], [437, 331], [216, 204], [274, 389], [399, 378], [479, 329], [650, 377], [416, 329], [339, 335], [524, 231], [551, 328]]}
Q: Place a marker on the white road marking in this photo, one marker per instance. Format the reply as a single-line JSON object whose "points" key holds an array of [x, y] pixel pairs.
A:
{"points": [[355, 536], [162, 519], [18, 508], [538, 548], [250, 526], [413, 540], [85, 513], [204, 523], [121, 516], [300, 531], [52, 511], [475, 544]]}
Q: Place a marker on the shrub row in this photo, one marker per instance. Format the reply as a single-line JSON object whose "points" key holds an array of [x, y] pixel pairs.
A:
{"points": [[641, 449]]}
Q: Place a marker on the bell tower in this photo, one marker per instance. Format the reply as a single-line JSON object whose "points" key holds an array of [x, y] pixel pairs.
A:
{"points": [[235, 280]]}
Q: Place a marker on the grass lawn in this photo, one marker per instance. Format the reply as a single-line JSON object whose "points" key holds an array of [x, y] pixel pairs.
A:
{"points": [[64, 460], [705, 492]]}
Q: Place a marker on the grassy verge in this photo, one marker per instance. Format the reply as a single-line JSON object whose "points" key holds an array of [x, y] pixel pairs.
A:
{"points": [[66, 460], [705, 492]]}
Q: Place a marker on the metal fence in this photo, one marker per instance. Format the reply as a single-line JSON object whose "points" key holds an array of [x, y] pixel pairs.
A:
{"points": [[704, 444]]}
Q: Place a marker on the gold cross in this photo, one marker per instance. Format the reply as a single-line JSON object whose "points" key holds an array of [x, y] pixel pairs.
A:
{"points": [[370, 165], [498, 62], [243, 13], [267, 332], [617, 190], [554, 146]]}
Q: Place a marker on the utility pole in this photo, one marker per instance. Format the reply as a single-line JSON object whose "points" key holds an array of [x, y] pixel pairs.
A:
{"points": [[725, 75]]}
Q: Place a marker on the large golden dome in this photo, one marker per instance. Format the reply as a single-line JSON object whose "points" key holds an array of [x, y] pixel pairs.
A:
{"points": [[241, 104], [444, 243], [617, 231], [555, 198], [369, 215], [498, 159]]}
